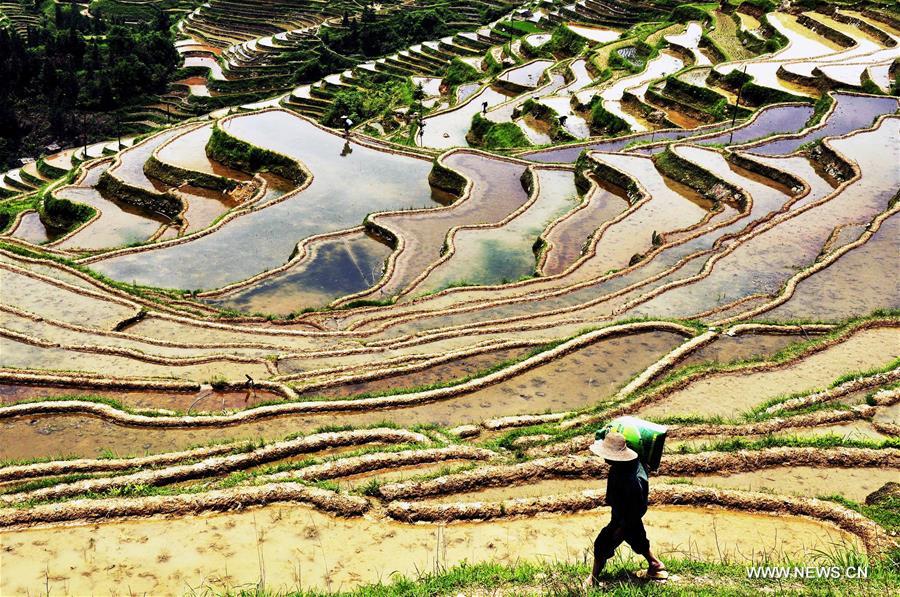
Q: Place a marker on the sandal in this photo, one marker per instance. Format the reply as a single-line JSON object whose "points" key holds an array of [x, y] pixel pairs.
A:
{"points": [[662, 574]]}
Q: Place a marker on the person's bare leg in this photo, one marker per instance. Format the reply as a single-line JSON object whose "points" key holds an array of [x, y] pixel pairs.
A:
{"points": [[613, 540], [594, 578], [654, 565]]}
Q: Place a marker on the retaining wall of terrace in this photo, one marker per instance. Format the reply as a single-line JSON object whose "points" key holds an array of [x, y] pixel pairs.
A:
{"points": [[176, 176], [449, 248], [355, 465], [823, 121], [873, 536], [771, 220], [587, 255], [788, 290], [153, 201], [792, 183], [183, 505], [582, 161], [677, 465], [218, 465], [580, 443], [829, 33], [110, 413], [82, 171], [643, 400], [301, 251]]}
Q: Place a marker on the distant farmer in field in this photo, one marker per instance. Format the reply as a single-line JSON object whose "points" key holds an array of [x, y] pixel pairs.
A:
{"points": [[627, 489]]}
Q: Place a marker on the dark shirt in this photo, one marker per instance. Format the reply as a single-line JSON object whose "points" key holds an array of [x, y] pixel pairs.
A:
{"points": [[627, 490]]}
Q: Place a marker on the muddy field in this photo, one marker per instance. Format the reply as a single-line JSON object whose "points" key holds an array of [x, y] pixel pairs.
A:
{"points": [[385, 353]]}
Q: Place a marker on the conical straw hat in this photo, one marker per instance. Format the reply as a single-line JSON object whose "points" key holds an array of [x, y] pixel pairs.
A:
{"points": [[613, 447]]}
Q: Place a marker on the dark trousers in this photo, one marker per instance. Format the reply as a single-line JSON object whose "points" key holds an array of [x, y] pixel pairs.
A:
{"points": [[618, 530]]}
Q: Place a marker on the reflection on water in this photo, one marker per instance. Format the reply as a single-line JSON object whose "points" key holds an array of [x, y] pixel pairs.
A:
{"points": [[443, 373], [189, 152], [664, 64], [763, 264], [206, 399], [856, 284], [568, 238], [769, 120], [851, 112], [342, 192], [506, 253], [496, 192], [119, 223], [338, 266], [31, 229]]}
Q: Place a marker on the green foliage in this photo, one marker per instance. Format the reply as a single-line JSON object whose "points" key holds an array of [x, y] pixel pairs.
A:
{"points": [[884, 511], [62, 214], [458, 72], [764, 5], [736, 78], [702, 95], [10, 209], [696, 578], [539, 111], [224, 148], [564, 41], [617, 61], [123, 12], [688, 12], [517, 28], [687, 173], [869, 86], [373, 35], [374, 100], [61, 80], [493, 135], [602, 120]]}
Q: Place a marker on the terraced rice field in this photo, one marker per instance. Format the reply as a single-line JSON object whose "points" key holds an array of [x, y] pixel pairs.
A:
{"points": [[275, 343]]}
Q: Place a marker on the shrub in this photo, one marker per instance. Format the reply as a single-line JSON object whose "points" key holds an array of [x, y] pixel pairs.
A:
{"points": [[688, 12], [458, 72], [224, 148], [764, 5], [62, 214], [605, 121], [564, 41], [361, 104], [492, 135], [544, 113]]}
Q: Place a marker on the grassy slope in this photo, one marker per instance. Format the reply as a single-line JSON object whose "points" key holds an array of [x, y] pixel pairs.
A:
{"points": [[691, 578]]}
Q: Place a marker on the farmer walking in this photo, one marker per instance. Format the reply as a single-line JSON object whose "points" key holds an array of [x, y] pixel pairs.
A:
{"points": [[627, 489]]}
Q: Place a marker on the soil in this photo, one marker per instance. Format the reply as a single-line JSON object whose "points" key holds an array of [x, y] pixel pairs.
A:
{"points": [[731, 394], [291, 546]]}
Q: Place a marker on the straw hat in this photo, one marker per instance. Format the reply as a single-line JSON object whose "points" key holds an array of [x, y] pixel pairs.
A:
{"points": [[613, 447]]}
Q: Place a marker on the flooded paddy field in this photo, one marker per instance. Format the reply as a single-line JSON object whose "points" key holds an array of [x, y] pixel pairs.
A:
{"points": [[731, 394], [318, 548], [409, 331]]}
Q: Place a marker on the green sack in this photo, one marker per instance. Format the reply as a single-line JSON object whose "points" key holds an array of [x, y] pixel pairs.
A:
{"points": [[642, 436]]}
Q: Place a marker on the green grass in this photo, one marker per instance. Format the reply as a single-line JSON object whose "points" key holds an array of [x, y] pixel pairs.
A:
{"points": [[11, 208], [886, 512], [492, 135], [558, 579], [823, 441], [678, 375]]}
